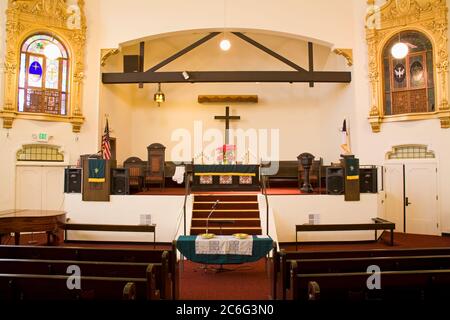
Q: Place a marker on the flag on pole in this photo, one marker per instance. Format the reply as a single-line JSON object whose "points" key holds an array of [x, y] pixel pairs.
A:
{"points": [[106, 144], [345, 138]]}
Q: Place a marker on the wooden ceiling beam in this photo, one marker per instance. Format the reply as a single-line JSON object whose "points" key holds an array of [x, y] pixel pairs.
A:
{"points": [[227, 76], [269, 51], [184, 51]]}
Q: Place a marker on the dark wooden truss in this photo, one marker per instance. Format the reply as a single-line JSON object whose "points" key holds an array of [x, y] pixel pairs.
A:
{"points": [[299, 75]]}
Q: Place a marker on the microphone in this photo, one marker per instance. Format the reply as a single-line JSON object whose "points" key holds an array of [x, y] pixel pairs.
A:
{"points": [[209, 215]]}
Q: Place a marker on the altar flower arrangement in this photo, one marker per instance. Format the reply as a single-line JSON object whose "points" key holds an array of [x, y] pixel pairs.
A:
{"points": [[229, 154]]}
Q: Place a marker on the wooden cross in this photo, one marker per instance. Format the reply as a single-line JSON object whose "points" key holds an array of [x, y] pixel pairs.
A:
{"points": [[227, 119]]}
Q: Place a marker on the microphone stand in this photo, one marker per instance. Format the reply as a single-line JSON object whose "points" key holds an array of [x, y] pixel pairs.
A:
{"points": [[208, 235]]}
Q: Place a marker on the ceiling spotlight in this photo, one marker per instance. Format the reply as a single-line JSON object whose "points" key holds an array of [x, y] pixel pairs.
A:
{"points": [[185, 75], [159, 96], [225, 45]]}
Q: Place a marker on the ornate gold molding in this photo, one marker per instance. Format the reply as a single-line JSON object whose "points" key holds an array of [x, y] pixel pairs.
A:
{"points": [[426, 16], [56, 17], [106, 53], [346, 53]]}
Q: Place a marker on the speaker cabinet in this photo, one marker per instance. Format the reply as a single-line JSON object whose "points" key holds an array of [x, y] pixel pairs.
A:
{"points": [[72, 180], [130, 63], [120, 183], [335, 180], [368, 180]]}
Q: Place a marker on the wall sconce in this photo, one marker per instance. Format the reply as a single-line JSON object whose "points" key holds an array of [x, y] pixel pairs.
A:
{"points": [[159, 96]]}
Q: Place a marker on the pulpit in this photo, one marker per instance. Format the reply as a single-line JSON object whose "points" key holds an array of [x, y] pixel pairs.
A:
{"points": [[97, 190], [155, 165]]}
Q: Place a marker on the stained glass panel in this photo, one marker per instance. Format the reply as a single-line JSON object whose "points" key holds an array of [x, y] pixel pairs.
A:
{"points": [[21, 99], [52, 74], [64, 76], [22, 72], [35, 71], [63, 104], [41, 88], [411, 88]]}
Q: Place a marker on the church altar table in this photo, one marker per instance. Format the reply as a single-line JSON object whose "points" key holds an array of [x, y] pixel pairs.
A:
{"points": [[231, 177], [18, 221], [261, 247]]}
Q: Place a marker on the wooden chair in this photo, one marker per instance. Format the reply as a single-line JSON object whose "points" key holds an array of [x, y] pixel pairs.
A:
{"points": [[155, 166], [136, 169]]}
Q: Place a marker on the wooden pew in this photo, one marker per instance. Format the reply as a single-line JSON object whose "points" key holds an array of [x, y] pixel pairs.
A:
{"points": [[54, 287], [157, 274], [395, 285], [102, 255], [285, 257]]}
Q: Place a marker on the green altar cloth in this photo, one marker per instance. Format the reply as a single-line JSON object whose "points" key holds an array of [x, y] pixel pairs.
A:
{"points": [[186, 245]]}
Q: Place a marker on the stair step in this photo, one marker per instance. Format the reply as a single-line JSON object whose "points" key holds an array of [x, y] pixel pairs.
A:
{"points": [[226, 215], [226, 210], [225, 197], [226, 231], [226, 205], [230, 223]]}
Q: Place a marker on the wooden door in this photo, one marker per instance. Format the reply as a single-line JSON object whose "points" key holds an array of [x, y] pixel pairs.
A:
{"points": [[39, 187], [421, 198], [394, 201]]}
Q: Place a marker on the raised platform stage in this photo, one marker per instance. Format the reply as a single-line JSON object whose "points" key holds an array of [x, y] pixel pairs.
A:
{"points": [[166, 210]]}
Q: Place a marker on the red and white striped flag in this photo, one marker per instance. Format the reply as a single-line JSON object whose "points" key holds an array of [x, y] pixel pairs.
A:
{"points": [[106, 145]]}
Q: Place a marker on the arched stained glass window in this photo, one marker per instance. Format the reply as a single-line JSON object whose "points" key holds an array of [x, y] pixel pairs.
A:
{"points": [[44, 76], [409, 82]]}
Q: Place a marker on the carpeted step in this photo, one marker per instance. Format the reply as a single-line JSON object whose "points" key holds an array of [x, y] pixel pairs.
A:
{"points": [[227, 214], [230, 222], [225, 197], [226, 205], [227, 230]]}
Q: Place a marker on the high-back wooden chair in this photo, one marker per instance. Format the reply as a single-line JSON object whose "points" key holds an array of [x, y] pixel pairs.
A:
{"points": [[155, 165], [136, 168]]}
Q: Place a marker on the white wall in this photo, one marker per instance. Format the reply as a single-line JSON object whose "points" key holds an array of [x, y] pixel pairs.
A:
{"points": [[73, 144], [308, 119], [166, 212], [339, 23], [292, 210], [372, 147]]}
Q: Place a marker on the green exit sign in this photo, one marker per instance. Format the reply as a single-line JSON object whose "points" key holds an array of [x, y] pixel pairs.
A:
{"points": [[42, 136]]}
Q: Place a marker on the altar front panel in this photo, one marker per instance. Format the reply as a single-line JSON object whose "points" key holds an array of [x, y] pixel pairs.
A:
{"points": [[239, 177]]}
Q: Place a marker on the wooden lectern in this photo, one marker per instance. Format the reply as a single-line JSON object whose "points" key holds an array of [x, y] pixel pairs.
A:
{"points": [[351, 178], [98, 191]]}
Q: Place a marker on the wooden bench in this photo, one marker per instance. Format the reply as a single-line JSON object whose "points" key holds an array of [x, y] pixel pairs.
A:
{"points": [[54, 287], [157, 274], [114, 260], [284, 258], [379, 224], [109, 227], [395, 285]]}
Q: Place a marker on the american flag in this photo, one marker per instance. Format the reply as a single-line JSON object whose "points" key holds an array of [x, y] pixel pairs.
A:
{"points": [[106, 145]]}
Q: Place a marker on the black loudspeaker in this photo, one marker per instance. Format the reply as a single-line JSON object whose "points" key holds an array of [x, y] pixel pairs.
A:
{"points": [[120, 183], [335, 180], [72, 180], [368, 180], [130, 63]]}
